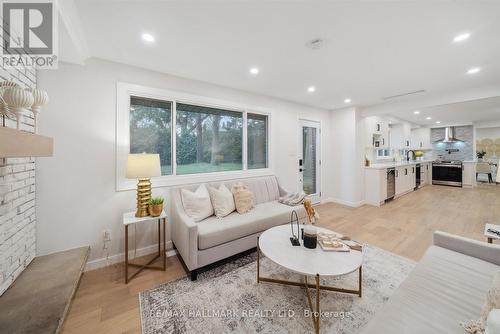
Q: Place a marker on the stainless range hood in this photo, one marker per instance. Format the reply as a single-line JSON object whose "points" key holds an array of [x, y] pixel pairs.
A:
{"points": [[449, 136]]}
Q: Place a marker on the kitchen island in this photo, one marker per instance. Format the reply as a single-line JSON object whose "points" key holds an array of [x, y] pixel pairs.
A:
{"points": [[394, 179]]}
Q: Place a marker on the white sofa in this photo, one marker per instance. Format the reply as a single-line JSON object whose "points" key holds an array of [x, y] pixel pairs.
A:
{"points": [[448, 286], [213, 239]]}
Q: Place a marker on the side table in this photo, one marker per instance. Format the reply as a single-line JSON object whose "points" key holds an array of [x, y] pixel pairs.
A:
{"points": [[491, 236], [129, 218]]}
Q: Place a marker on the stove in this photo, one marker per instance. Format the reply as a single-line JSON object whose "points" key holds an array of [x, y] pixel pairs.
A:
{"points": [[447, 173]]}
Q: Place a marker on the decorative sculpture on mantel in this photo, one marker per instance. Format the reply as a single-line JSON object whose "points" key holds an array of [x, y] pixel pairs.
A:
{"points": [[14, 101]]}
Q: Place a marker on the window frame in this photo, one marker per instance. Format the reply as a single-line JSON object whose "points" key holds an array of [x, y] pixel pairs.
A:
{"points": [[122, 141]]}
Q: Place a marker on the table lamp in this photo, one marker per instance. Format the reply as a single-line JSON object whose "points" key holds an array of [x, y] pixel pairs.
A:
{"points": [[143, 167]]}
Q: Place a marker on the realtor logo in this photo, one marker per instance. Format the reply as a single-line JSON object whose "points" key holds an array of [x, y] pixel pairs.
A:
{"points": [[29, 34]]}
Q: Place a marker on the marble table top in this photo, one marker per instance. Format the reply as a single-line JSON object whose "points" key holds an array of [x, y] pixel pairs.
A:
{"points": [[275, 244]]}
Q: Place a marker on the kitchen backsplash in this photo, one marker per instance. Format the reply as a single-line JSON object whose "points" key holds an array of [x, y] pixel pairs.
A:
{"points": [[465, 148]]}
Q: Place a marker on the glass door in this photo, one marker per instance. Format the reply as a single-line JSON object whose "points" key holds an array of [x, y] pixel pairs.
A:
{"points": [[309, 159]]}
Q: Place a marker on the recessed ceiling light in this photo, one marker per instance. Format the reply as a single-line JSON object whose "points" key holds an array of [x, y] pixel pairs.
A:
{"points": [[474, 70], [148, 37], [428, 118], [438, 122], [461, 37], [416, 112], [347, 101], [254, 70], [311, 89]]}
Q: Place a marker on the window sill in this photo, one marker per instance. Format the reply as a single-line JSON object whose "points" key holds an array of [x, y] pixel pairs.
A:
{"points": [[181, 180]]}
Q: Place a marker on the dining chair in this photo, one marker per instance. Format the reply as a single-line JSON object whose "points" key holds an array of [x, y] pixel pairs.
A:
{"points": [[484, 168]]}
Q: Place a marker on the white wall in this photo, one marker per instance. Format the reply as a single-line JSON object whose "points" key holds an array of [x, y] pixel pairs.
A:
{"points": [[76, 197], [492, 133], [347, 147]]}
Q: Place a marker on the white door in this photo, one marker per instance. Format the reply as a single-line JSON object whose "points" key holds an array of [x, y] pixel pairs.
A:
{"points": [[309, 159]]}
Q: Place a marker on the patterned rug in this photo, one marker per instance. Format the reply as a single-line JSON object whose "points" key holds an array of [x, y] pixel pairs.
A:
{"points": [[227, 299]]}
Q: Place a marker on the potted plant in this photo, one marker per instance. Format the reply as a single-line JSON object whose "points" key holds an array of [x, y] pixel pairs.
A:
{"points": [[480, 155], [155, 206]]}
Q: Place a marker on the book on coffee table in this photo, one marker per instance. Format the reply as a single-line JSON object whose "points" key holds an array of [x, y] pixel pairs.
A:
{"points": [[333, 246]]}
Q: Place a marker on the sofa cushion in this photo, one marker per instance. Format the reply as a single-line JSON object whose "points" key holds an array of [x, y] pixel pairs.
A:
{"points": [[213, 231], [445, 289]]}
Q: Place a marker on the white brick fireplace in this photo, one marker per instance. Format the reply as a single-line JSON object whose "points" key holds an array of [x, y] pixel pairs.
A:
{"points": [[17, 197]]}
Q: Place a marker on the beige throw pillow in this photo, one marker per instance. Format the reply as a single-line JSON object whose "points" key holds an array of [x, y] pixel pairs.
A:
{"points": [[197, 204], [243, 198], [222, 201]]}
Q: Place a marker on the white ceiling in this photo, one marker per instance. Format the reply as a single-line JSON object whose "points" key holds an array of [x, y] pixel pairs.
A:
{"points": [[475, 111], [372, 49]]}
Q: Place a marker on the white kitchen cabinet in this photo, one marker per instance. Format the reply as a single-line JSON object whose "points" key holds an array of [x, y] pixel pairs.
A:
{"points": [[412, 177], [420, 139], [377, 132], [400, 136], [425, 174], [468, 174], [405, 179], [375, 186]]}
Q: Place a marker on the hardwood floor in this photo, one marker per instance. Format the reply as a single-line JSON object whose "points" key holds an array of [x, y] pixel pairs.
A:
{"points": [[104, 304]]}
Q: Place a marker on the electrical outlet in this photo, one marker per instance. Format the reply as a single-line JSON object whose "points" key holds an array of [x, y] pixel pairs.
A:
{"points": [[106, 235]]}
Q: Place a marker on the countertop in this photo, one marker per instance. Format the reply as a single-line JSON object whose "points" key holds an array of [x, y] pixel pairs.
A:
{"points": [[397, 164]]}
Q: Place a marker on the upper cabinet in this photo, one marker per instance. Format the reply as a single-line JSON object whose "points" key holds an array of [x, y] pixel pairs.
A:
{"points": [[377, 132], [421, 139], [400, 136]]}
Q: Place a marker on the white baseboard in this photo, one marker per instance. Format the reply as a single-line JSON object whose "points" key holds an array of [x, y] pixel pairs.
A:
{"points": [[117, 258], [343, 202]]}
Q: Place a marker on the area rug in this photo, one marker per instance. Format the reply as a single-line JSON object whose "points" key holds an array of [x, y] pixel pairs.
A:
{"points": [[227, 299]]}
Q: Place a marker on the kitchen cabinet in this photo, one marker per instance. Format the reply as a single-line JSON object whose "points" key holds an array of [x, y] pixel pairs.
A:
{"points": [[405, 179], [468, 174], [375, 186], [400, 136], [425, 170], [420, 139], [377, 132]]}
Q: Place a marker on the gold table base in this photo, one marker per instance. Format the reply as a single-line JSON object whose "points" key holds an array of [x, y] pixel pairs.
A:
{"points": [[148, 264], [317, 286]]}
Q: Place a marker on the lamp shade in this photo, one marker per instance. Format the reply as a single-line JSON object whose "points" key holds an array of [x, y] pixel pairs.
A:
{"points": [[143, 166]]}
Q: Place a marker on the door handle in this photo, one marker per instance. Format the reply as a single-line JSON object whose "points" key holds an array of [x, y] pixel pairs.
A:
{"points": [[383, 141], [397, 173]]}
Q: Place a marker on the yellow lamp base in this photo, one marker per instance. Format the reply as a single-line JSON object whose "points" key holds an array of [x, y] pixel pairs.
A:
{"points": [[143, 197]]}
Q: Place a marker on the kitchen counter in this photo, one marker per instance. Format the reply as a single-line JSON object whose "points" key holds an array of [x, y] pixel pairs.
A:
{"points": [[386, 165]]}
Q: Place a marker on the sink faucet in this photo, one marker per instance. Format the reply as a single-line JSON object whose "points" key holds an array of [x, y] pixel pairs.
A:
{"points": [[408, 155]]}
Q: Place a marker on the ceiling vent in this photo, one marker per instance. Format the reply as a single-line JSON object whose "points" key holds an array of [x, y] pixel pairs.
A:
{"points": [[315, 44], [403, 95]]}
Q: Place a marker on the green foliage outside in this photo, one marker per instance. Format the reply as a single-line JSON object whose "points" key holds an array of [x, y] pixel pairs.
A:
{"points": [[207, 139]]}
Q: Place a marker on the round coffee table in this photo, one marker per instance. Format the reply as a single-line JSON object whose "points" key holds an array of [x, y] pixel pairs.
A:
{"points": [[275, 244]]}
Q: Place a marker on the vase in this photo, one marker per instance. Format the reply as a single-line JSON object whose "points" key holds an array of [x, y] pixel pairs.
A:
{"points": [[40, 98], [155, 210], [18, 101]]}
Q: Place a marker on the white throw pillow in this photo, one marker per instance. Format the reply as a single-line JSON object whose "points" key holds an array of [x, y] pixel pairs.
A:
{"points": [[222, 201], [197, 204]]}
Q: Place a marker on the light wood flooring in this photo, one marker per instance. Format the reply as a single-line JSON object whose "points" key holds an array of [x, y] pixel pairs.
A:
{"points": [[104, 304]]}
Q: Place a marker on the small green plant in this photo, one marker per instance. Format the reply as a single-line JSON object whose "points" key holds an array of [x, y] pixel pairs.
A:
{"points": [[480, 154], [156, 201]]}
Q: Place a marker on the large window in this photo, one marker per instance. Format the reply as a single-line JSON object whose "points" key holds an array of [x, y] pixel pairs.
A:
{"points": [[151, 129], [207, 139]]}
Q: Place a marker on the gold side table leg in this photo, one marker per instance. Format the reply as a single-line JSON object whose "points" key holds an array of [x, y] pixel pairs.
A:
{"points": [[164, 244], [126, 254], [258, 261]]}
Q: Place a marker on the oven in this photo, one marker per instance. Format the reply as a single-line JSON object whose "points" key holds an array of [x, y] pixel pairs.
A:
{"points": [[447, 173]]}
